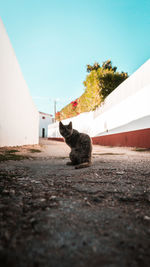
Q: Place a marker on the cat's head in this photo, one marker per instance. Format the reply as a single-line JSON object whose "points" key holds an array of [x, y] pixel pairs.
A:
{"points": [[65, 130]]}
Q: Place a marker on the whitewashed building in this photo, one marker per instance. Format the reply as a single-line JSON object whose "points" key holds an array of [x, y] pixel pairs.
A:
{"points": [[19, 118], [124, 117], [44, 120]]}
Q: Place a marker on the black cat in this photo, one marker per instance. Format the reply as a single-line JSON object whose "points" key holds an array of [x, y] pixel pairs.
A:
{"points": [[80, 144]]}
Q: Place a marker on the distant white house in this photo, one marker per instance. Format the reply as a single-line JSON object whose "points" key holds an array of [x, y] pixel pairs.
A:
{"points": [[44, 120], [19, 118]]}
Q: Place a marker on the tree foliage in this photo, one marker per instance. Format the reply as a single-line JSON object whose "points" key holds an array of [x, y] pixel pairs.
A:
{"points": [[103, 79], [99, 83], [96, 66]]}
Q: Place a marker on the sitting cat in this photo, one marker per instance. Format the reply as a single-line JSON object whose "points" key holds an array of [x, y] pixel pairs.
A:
{"points": [[80, 144]]}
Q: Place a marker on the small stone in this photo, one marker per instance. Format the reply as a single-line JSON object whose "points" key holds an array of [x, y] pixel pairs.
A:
{"points": [[94, 248], [7, 235], [42, 199], [147, 218], [120, 173], [12, 192], [32, 220], [52, 197], [88, 203]]}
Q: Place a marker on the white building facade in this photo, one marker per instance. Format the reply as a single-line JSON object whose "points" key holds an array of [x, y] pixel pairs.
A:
{"points": [[124, 117], [44, 120], [19, 118]]}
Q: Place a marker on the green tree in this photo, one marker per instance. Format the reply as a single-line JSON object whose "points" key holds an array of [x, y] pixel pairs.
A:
{"points": [[99, 83], [96, 66], [107, 65], [103, 80]]}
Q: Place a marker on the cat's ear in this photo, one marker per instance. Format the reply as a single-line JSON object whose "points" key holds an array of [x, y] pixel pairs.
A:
{"points": [[70, 125], [60, 124]]}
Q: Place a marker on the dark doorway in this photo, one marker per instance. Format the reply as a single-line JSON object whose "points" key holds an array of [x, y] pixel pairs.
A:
{"points": [[43, 132]]}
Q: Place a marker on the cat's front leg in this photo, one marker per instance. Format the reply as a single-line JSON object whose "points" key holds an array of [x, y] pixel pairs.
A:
{"points": [[73, 157]]}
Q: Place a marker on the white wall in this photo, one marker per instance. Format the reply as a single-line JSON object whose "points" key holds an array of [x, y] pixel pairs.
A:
{"points": [[127, 108], [120, 117], [82, 123], [45, 120], [138, 80], [19, 118]]}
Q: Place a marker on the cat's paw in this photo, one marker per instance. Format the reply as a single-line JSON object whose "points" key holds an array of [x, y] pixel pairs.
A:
{"points": [[83, 165]]}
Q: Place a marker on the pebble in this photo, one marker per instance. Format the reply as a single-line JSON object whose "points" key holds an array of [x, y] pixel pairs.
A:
{"points": [[52, 197], [12, 192], [147, 218], [42, 199], [120, 173]]}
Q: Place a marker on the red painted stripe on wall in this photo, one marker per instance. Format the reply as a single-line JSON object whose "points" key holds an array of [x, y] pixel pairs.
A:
{"points": [[60, 139], [138, 138]]}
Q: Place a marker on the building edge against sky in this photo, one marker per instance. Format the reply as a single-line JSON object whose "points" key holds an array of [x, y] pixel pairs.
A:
{"points": [[44, 120], [19, 118]]}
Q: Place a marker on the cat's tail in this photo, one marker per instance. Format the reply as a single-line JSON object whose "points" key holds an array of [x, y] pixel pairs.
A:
{"points": [[83, 165]]}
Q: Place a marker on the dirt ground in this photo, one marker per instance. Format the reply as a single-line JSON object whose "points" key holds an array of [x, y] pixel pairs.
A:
{"points": [[52, 215]]}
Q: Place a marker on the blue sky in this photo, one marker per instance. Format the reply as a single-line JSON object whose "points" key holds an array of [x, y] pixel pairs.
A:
{"points": [[55, 40]]}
